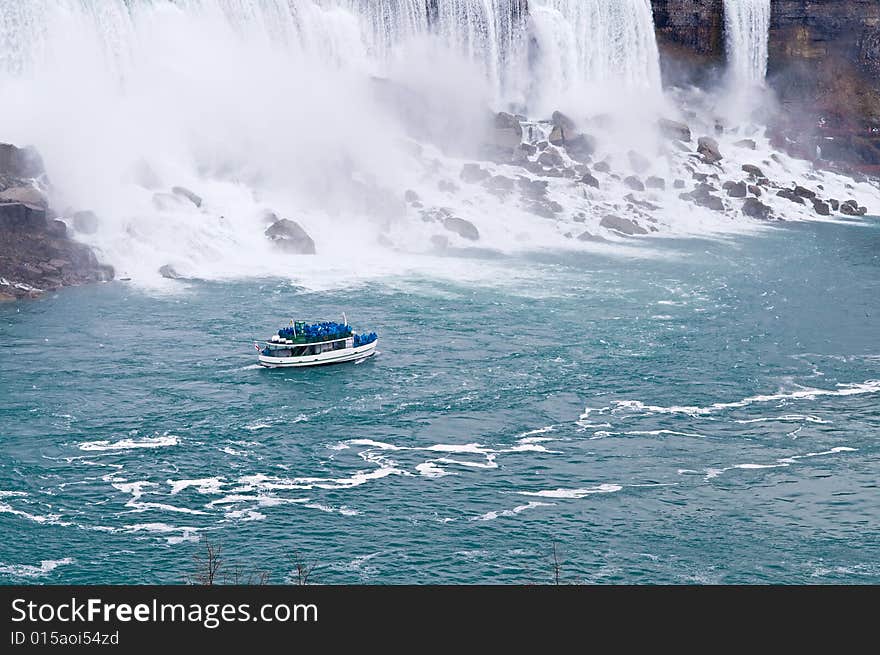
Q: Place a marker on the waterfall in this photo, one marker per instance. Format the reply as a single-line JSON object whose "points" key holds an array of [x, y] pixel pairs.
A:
{"points": [[365, 33], [747, 24], [594, 42], [577, 42], [277, 104]]}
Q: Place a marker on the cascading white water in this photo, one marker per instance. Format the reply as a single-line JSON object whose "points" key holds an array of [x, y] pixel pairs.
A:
{"points": [[590, 43], [747, 25], [262, 104]]}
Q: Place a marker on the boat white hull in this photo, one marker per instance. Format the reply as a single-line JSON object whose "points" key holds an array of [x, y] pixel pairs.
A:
{"points": [[329, 357]]}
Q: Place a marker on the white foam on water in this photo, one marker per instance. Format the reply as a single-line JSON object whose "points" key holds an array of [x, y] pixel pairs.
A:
{"points": [[431, 470], [786, 418], [490, 462], [782, 462], [129, 444], [531, 435], [529, 448], [259, 425], [456, 448], [30, 571], [202, 485], [657, 433], [712, 473], [261, 500], [373, 444], [832, 451], [48, 519], [187, 533], [139, 489], [807, 393], [574, 493], [244, 515], [343, 510], [163, 507], [491, 516], [135, 489]]}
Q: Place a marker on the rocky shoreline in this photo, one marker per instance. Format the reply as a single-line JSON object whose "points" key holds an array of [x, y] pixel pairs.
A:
{"points": [[36, 253]]}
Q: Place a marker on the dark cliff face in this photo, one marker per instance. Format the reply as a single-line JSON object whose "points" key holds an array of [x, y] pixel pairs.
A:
{"points": [[690, 35], [827, 52], [690, 28]]}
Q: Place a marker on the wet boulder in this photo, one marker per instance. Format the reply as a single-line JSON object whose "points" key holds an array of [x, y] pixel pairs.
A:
{"points": [[674, 130], [590, 180], [183, 192], [748, 144], [563, 129], [849, 208], [57, 229], [526, 150], [753, 170], [643, 204], [602, 167], [654, 182], [707, 147], [634, 183], [622, 225], [754, 208], [499, 185], [507, 133], [804, 192], [167, 271], [462, 228], [288, 236], [563, 121], [85, 222], [704, 196], [755, 190], [551, 157], [822, 208], [580, 147], [790, 195], [588, 236], [736, 189], [411, 196]]}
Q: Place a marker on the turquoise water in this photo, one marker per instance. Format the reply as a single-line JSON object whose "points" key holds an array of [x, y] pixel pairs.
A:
{"points": [[709, 413]]}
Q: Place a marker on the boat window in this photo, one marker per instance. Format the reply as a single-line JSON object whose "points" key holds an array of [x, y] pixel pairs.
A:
{"points": [[299, 351], [281, 352]]}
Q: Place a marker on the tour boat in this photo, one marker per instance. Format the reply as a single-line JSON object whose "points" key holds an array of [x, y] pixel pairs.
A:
{"points": [[315, 344]]}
